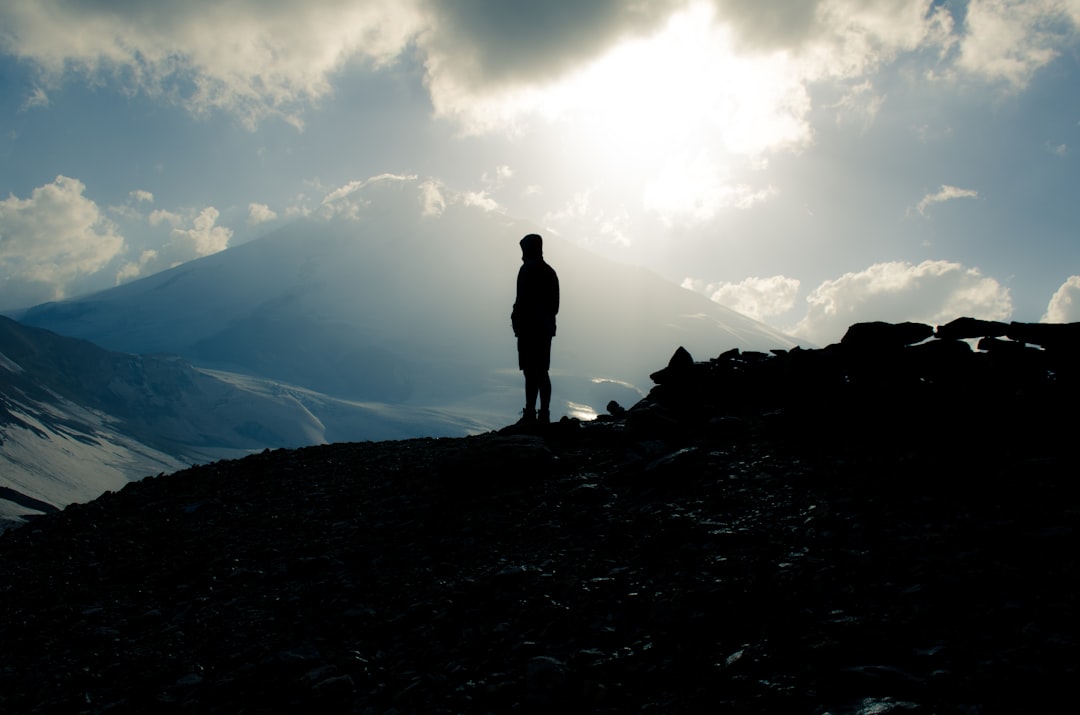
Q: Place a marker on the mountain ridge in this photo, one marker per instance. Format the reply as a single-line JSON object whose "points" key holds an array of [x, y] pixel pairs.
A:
{"points": [[411, 312]]}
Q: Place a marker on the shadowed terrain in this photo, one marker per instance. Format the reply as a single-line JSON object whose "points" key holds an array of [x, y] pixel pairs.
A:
{"points": [[870, 543]]}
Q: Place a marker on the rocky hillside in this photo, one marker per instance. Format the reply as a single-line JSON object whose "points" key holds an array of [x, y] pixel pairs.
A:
{"points": [[880, 526]]}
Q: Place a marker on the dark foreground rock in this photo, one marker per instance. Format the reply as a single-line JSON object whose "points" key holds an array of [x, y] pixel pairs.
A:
{"points": [[675, 559]]}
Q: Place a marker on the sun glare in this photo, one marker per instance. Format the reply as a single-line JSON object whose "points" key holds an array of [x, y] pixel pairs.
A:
{"points": [[680, 90], [678, 114]]}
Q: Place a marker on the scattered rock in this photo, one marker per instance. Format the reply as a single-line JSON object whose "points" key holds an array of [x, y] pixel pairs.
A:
{"points": [[834, 530], [885, 336]]}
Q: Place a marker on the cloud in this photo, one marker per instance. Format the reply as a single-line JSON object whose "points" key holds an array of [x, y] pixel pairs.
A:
{"points": [[351, 199], [50, 240], [130, 209], [759, 298], [432, 199], [1009, 40], [191, 236], [38, 98], [482, 58], [249, 57], [591, 224], [860, 106], [1058, 149], [932, 292], [481, 45], [498, 177], [852, 32], [1064, 306], [159, 216], [480, 199], [260, 213], [945, 193], [693, 191], [384, 195]]}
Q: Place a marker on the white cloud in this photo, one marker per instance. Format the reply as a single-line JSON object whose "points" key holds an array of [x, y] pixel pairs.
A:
{"points": [[38, 98], [1009, 40], [480, 199], [202, 239], [260, 213], [860, 105], [351, 199], [932, 292], [139, 196], [159, 216], [589, 223], [50, 240], [191, 236], [945, 193], [434, 203], [1064, 306], [498, 177], [759, 298], [396, 194], [249, 57]]}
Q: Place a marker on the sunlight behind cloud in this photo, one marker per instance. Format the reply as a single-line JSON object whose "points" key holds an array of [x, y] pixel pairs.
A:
{"points": [[681, 89]]}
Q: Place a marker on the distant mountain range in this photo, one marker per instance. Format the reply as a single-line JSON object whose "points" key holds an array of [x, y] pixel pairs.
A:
{"points": [[393, 326]]}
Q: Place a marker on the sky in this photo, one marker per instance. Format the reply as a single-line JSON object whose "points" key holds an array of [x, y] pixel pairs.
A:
{"points": [[810, 163]]}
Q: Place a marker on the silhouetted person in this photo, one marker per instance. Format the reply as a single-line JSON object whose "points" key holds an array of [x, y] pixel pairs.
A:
{"points": [[533, 319]]}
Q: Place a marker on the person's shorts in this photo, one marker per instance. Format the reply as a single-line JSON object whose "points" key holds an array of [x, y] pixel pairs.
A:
{"points": [[534, 353]]}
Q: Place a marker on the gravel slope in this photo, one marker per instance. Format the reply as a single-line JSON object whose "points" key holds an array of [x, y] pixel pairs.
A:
{"points": [[606, 567]]}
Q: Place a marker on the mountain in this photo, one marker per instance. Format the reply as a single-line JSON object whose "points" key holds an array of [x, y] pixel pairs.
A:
{"points": [[381, 322], [77, 420], [405, 308]]}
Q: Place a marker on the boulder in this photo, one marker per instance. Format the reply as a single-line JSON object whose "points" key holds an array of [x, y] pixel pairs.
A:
{"points": [[1051, 336], [878, 335], [679, 368], [971, 328], [998, 346]]}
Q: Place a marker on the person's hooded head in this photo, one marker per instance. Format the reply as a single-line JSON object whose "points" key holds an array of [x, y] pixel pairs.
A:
{"points": [[532, 246]]}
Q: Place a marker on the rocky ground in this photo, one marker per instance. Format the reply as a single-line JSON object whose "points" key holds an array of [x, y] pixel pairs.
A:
{"points": [[768, 562]]}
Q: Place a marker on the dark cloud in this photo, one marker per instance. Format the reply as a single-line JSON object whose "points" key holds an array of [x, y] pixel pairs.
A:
{"points": [[494, 42], [770, 24]]}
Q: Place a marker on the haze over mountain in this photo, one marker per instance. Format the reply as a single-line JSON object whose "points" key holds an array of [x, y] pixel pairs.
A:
{"points": [[386, 317], [396, 296]]}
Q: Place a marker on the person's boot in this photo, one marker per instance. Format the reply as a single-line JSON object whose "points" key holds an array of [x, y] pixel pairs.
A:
{"points": [[544, 415], [528, 416]]}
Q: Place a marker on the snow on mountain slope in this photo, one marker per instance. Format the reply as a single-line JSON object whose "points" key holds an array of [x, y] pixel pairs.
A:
{"points": [[394, 306], [55, 453], [77, 420]]}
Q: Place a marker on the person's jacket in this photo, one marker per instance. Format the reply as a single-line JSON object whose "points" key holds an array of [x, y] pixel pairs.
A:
{"points": [[537, 301]]}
